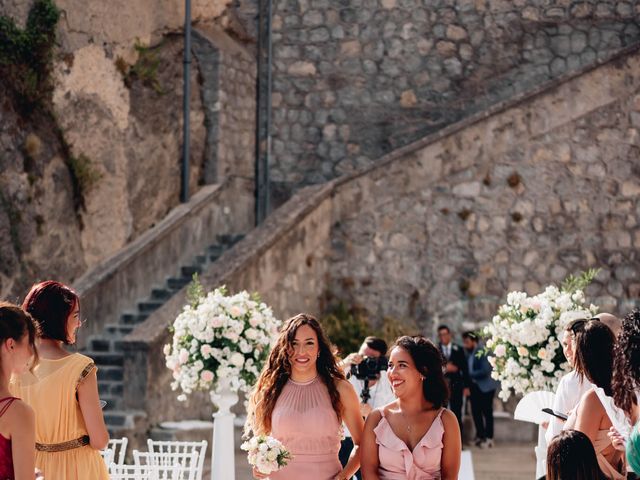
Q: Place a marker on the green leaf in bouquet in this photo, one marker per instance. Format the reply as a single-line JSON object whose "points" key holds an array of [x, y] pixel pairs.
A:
{"points": [[195, 291], [573, 283]]}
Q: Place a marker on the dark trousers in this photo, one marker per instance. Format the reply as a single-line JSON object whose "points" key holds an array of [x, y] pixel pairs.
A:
{"points": [[482, 411], [345, 451], [455, 401]]}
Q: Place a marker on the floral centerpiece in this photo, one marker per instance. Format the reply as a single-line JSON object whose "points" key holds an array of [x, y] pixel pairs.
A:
{"points": [[524, 337], [217, 337]]}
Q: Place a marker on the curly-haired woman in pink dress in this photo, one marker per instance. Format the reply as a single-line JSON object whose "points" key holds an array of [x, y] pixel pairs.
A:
{"points": [[301, 399], [415, 437]]}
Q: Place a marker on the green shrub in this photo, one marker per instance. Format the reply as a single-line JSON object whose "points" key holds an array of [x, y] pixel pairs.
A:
{"points": [[26, 55], [347, 327], [84, 172]]}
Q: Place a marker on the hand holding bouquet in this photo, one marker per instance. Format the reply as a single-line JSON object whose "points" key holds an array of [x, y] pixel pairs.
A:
{"points": [[266, 454]]}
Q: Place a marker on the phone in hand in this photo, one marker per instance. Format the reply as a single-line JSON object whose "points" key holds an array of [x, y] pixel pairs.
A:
{"points": [[555, 413]]}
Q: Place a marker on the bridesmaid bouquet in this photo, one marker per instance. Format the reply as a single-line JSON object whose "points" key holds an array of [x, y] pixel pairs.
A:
{"points": [[266, 454], [524, 337]]}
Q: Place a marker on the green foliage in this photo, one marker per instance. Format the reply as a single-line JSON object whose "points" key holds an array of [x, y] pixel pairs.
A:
{"points": [[581, 281], [145, 69], [26, 56], [195, 291], [347, 327], [84, 173]]}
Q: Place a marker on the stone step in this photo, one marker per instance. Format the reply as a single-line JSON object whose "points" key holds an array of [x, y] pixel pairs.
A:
{"points": [[114, 402], [215, 252], [110, 373], [118, 419], [190, 270], [116, 330], [200, 260], [177, 283], [109, 359], [129, 318], [230, 239], [99, 344], [163, 294], [149, 306]]}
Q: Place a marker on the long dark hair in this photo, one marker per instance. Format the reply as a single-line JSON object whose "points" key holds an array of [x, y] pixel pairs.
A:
{"points": [[626, 363], [50, 303], [594, 354], [571, 456], [277, 372], [15, 323], [429, 362]]}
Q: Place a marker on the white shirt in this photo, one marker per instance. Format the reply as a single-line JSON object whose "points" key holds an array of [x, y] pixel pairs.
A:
{"points": [[568, 395], [381, 393], [446, 349]]}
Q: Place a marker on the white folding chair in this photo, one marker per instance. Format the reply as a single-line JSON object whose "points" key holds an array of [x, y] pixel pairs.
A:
{"points": [[188, 461], [178, 447], [119, 447], [107, 456], [144, 472]]}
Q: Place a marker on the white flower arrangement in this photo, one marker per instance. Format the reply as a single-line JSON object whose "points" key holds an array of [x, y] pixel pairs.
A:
{"points": [[219, 336], [524, 337], [266, 453]]}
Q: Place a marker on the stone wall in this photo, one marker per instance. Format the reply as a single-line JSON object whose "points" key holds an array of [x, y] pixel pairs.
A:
{"points": [[229, 95], [355, 80], [545, 188]]}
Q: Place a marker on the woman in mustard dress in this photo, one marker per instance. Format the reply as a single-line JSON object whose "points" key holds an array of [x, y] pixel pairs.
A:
{"points": [[63, 391]]}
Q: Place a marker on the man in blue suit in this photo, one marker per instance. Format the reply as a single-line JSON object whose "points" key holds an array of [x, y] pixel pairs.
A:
{"points": [[483, 389]]}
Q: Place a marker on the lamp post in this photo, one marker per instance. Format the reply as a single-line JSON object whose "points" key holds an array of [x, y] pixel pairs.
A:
{"points": [[184, 195]]}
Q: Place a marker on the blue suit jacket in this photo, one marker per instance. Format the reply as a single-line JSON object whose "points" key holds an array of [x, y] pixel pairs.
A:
{"points": [[480, 372]]}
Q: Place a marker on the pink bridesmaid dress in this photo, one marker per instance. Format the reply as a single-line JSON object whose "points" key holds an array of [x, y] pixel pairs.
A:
{"points": [[397, 462], [306, 424]]}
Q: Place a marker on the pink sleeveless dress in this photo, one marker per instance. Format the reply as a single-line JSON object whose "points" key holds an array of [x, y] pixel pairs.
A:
{"points": [[6, 454], [397, 462], [306, 424]]}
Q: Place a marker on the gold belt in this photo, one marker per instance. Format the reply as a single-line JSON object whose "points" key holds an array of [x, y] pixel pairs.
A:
{"points": [[64, 446]]}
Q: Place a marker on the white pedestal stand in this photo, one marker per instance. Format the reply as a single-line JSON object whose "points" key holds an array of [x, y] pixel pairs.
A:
{"points": [[223, 448]]}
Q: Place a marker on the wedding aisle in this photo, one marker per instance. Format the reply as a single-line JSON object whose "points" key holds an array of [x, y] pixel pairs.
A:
{"points": [[514, 461]]}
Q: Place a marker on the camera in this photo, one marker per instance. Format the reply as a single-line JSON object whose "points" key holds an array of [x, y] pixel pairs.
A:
{"points": [[369, 368]]}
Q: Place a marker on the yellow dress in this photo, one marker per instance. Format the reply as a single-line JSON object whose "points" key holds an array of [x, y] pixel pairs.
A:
{"points": [[51, 392]]}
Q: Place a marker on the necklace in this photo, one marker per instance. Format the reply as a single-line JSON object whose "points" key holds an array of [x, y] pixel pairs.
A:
{"points": [[406, 421]]}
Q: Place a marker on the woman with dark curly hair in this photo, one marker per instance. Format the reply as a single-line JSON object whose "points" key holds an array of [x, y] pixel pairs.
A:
{"points": [[626, 386], [301, 398], [414, 437], [571, 457]]}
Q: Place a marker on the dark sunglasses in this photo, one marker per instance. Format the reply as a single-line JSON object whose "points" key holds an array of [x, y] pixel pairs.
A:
{"points": [[578, 325]]}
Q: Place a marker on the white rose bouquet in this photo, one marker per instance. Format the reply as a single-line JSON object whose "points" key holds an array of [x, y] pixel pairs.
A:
{"points": [[266, 453], [524, 337], [219, 336]]}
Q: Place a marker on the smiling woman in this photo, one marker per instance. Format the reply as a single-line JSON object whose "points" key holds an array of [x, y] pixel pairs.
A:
{"points": [[414, 437], [301, 399]]}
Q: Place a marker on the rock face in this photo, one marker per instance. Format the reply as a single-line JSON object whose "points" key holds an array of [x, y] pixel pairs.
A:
{"points": [[383, 74], [80, 183]]}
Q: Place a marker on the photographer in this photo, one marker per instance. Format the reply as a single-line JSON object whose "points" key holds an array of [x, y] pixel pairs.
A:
{"points": [[366, 371]]}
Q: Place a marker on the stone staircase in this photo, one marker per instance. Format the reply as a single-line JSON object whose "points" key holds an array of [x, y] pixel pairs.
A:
{"points": [[106, 348]]}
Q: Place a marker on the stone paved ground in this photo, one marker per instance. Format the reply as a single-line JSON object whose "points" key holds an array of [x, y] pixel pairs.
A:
{"points": [[503, 462]]}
